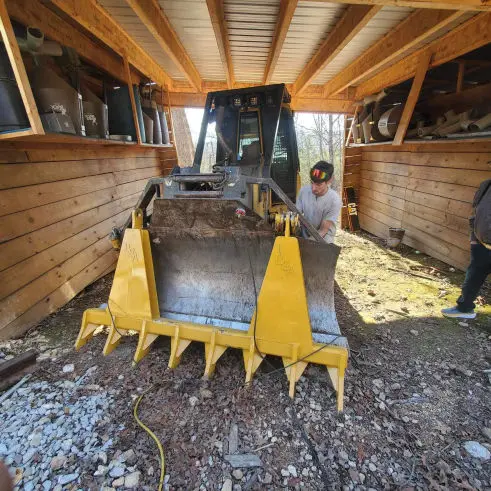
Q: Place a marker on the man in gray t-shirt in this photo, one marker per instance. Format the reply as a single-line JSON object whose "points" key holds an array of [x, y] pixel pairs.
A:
{"points": [[319, 203]]}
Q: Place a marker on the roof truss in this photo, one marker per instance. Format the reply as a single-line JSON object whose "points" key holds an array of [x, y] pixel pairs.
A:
{"points": [[469, 36], [285, 16], [351, 23], [215, 9], [484, 5], [94, 18], [413, 30], [158, 24]]}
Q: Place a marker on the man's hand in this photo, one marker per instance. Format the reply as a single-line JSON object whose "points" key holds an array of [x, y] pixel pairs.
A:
{"points": [[325, 227]]}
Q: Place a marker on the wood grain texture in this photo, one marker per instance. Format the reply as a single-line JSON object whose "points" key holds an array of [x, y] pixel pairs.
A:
{"points": [[58, 207], [429, 189]]}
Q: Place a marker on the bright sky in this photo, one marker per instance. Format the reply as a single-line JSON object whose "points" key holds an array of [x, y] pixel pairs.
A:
{"points": [[195, 115]]}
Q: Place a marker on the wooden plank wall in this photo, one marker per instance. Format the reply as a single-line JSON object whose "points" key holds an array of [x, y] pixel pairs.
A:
{"points": [[427, 189], [351, 177], [57, 206]]}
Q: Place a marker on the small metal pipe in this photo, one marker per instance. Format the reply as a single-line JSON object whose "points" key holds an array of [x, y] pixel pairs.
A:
{"points": [[198, 194], [198, 178]]}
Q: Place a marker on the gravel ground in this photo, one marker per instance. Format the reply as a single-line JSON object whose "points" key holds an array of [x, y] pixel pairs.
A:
{"points": [[417, 399]]}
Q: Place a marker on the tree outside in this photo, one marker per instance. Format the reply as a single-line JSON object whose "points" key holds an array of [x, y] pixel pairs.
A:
{"points": [[319, 137]]}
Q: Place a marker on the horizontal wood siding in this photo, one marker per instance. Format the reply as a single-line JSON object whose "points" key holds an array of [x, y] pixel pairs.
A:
{"points": [[426, 189], [58, 205]]}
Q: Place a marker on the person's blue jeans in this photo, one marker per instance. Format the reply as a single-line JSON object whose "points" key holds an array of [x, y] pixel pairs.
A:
{"points": [[477, 272]]}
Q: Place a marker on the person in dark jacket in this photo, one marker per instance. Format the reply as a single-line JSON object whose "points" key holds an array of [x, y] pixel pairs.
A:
{"points": [[480, 265]]}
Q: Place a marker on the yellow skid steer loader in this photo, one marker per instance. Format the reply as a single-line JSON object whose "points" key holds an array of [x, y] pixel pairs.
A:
{"points": [[218, 261]]}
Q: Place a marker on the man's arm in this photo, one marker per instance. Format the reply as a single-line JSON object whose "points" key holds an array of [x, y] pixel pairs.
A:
{"points": [[330, 216], [326, 225]]}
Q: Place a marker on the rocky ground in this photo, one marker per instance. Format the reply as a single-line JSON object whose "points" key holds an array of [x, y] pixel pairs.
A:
{"points": [[417, 406]]}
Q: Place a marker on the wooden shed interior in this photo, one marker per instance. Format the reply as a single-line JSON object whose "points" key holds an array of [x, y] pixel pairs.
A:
{"points": [[412, 76]]}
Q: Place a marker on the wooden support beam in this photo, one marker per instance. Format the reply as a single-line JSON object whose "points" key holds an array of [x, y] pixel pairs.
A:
{"points": [[412, 99], [215, 9], [484, 5], [470, 35], [132, 99], [310, 104], [460, 76], [285, 15], [354, 19], [158, 24], [412, 31], [17, 63], [34, 13], [93, 17]]}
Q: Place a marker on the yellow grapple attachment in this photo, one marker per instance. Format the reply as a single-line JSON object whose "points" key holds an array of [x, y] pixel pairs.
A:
{"points": [[203, 273]]}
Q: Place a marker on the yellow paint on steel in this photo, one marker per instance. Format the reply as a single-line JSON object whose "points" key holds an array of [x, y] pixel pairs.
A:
{"points": [[279, 327]]}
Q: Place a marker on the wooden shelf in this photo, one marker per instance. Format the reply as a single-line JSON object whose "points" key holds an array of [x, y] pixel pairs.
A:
{"points": [[155, 145], [9, 135], [424, 142], [59, 138]]}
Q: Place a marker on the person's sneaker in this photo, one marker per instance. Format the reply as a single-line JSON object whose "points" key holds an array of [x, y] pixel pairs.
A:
{"points": [[456, 313]]}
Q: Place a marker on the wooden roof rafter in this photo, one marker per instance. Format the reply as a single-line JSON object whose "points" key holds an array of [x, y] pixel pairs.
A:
{"points": [[285, 16], [93, 17], [413, 30], [54, 27], [215, 9], [477, 5], [470, 35], [155, 20], [351, 23]]}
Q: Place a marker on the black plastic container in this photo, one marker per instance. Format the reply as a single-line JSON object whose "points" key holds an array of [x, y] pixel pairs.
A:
{"points": [[13, 116]]}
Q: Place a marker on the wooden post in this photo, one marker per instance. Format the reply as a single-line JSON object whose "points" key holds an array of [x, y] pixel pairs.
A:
{"points": [[460, 76], [412, 99], [132, 99], [19, 69], [170, 122]]}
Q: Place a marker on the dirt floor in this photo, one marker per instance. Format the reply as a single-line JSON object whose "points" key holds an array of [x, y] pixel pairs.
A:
{"points": [[416, 391]]}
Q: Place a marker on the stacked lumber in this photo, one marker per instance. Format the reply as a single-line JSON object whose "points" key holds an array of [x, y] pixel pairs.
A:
{"points": [[57, 208], [426, 189]]}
